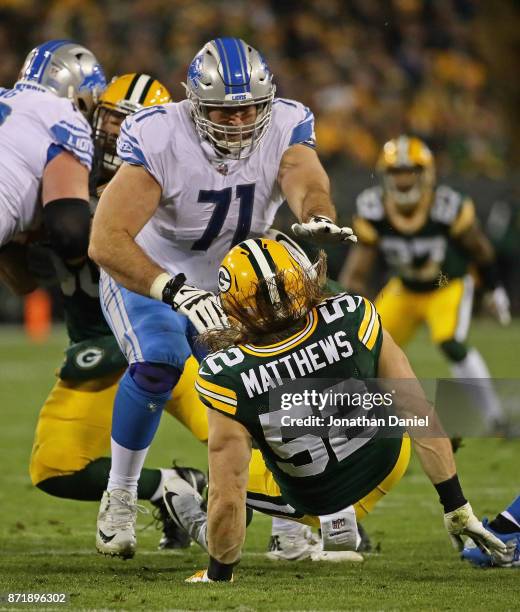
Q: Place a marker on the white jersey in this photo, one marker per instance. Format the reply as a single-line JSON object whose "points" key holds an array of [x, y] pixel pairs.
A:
{"points": [[35, 125], [207, 205]]}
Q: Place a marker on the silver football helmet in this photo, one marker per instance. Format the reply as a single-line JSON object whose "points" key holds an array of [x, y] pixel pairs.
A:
{"points": [[67, 69], [227, 72]]}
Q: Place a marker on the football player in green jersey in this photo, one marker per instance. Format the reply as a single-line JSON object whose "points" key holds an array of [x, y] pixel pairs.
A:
{"points": [[428, 236], [282, 330]]}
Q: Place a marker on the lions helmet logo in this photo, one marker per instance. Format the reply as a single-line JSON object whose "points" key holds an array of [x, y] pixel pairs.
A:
{"points": [[224, 279]]}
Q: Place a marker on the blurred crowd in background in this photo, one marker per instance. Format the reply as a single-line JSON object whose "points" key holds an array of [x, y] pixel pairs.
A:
{"points": [[369, 69], [444, 70]]}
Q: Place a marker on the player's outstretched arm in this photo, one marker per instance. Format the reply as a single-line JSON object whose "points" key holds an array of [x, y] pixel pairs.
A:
{"points": [[127, 203], [229, 453], [306, 187], [481, 251], [435, 453]]}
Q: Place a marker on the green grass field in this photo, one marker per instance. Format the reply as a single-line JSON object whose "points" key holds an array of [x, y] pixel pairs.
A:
{"points": [[47, 544]]}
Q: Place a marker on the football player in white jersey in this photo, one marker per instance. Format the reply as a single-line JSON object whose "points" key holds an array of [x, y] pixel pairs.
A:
{"points": [[46, 150], [199, 177]]}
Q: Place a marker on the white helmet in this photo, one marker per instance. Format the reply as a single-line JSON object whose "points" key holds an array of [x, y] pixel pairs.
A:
{"points": [[67, 69], [229, 72]]}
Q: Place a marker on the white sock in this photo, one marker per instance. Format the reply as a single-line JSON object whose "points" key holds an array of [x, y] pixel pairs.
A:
{"points": [[126, 467], [165, 474], [486, 400], [281, 525]]}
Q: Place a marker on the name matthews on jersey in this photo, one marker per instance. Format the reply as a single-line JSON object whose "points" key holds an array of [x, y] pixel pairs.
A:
{"points": [[309, 359]]}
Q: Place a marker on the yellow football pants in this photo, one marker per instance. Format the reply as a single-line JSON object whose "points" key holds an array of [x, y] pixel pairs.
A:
{"points": [[261, 482], [75, 421], [446, 310]]}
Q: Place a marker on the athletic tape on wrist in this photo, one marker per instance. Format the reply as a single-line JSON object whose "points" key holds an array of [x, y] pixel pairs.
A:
{"points": [[158, 285]]}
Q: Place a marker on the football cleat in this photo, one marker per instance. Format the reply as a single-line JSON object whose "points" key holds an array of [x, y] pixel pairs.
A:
{"points": [[202, 576], [511, 558], [174, 536], [115, 533], [184, 502], [293, 546], [337, 556], [305, 545]]}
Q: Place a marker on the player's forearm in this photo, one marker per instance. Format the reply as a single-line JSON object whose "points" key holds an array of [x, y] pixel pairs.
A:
{"points": [[477, 245], [309, 197], [316, 202], [436, 457], [124, 260], [432, 445], [226, 526]]}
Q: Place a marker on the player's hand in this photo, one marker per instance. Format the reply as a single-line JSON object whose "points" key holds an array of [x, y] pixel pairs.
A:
{"points": [[202, 576], [322, 229], [202, 308], [497, 302], [461, 522]]}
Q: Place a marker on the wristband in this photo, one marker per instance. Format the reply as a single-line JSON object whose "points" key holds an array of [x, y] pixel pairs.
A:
{"points": [[172, 287], [450, 494], [158, 285], [320, 218], [218, 571]]}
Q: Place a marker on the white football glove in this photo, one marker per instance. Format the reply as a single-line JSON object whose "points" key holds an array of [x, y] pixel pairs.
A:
{"points": [[497, 301], [202, 308], [461, 522], [322, 229], [202, 576]]}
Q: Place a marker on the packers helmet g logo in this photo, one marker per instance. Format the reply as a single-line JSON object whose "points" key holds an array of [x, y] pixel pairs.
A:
{"points": [[224, 279]]}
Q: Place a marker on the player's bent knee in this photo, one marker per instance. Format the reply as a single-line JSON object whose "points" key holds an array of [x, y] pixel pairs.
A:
{"points": [[454, 350], [154, 377], [165, 346]]}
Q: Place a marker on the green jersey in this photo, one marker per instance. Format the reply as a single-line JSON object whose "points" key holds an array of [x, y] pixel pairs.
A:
{"points": [[317, 474], [93, 351], [428, 255]]}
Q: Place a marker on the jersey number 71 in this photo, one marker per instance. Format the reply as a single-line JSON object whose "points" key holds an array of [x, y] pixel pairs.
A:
{"points": [[222, 200]]}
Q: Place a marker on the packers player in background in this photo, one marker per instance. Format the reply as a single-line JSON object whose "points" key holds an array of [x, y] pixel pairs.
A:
{"points": [[283, 328], [72, 439], [428, 235]]}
